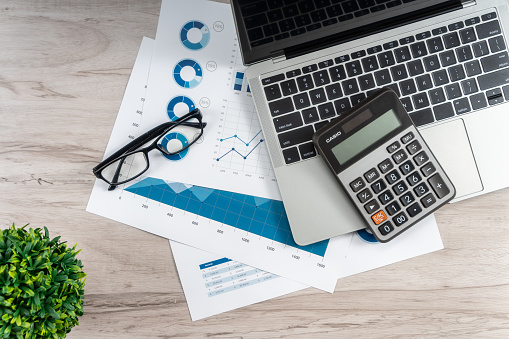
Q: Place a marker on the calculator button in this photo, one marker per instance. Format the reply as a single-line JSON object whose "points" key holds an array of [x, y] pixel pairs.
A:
{"points": [[428, 169], [392, 208], [407, 137], [421, 158], [379, 217], [386, 228], [407, 198], [385, 166], [421, 189], [407, 167], [357, 184], [364, 196], [414, 178], [392, 177], [371, 206], [414, 147], [393, 147], [378, 186], [399, 156], [414, 209], [437, 183], [371, 175], [385, 197], [400, 219], [399, 188], [428, 200]]}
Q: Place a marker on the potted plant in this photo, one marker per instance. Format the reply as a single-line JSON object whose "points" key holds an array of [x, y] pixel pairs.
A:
{"points": [[41, 284]]}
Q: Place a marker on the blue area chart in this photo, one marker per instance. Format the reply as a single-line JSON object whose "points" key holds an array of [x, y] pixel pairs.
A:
{"points": [[204, 31], [179, 137], [260, 216], [182, 99], [188, 66]]}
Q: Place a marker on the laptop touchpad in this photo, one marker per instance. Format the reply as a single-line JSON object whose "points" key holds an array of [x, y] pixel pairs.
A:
{"points": [[450, 145]]}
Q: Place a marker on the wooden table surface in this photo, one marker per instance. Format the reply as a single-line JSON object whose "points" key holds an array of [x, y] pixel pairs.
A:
{"points": [[64, 66]]}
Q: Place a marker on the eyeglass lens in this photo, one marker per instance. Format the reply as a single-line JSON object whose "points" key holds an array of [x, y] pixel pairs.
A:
{"points": [[125, 168], [176, 140]]}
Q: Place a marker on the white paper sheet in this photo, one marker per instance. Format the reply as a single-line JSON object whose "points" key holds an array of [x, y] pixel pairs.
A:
{"points": [[250, 229]]}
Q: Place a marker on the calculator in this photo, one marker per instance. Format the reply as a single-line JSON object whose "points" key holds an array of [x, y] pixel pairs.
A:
{"points": [[384, 165]]}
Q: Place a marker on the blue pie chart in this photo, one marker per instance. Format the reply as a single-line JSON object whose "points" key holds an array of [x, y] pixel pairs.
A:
{"points": [[194, 35], [367, 236], [177, 102], [179, 137], [188, 73]]}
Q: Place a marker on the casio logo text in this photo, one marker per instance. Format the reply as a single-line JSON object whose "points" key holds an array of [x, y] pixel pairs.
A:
{"points": [[334, 136]]}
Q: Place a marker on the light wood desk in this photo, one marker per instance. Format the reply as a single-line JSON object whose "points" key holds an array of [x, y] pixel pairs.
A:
{"points": [[64, 66]]}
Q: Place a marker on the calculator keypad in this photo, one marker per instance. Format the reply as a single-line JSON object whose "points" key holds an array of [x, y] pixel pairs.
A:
{"points": [[400, 188]]}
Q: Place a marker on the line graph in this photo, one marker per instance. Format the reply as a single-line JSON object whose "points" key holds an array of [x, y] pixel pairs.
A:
{"points": [[246, 143]]}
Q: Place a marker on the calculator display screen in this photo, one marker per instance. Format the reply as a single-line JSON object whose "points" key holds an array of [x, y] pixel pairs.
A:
{"points": [[366, 136]]}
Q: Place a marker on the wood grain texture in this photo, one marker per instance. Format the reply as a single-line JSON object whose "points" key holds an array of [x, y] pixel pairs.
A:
{"points": [[64, 66]]}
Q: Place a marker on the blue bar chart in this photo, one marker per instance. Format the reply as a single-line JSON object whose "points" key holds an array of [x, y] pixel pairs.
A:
{"points": [[263, 217]]}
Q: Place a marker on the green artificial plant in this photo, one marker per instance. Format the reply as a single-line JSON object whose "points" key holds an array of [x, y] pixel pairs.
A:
{"points": [[41, 285]]}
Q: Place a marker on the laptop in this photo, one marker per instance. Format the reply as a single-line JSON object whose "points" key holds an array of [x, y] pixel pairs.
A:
{"points": [[310, 61]]}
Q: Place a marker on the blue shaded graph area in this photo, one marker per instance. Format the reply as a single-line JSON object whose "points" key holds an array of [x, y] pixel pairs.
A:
{"points": [[239, 78], [260, 216]]}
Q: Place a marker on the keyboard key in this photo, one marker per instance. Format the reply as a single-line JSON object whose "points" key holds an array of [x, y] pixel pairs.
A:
{"points": [[431, 63], [281, 106], [440, 30], [424, 82], [309, 68], [407, 167], [337, 73], [378, 186], [420, 100], [469, 86], [472, 21], [371, 175], [273, 79], [386, 228], [399, 188], [288, 87], [271, 29], [301, 101], [393, 176], [428, 169], [366, 82], [286, 25], [291, 155], [494, 96], [496, 44], [464, 53], [418, 49], [357, 184], [392, 208], [382, 77], [421, 158], [443, 111], [400, 219], [369, 64], [310, 115], [303, 20], [422, 117], [320, 124], [488, 29], [296, 136], [455, 26], [453, 91], [255, 20], [353, 68], [407, 87], [467, 35], [326, 111], [440, 77], [318, 16], [407, 103], [436, 95], [317, 96], [357, 98], [350, 86], [415, 67], [480, 49], [321, 78], [333, 91], [495, 79], [414, 147], [342, 106], [423, 35], [305, 82], [374, 49], [489, 16], [307, 151], [456, 72], [325, 63], [275, 15], [493, 62], [438, 185], [451, 40], [288, 121], [358, 54], [478, 101], [343, 58], [428, 200], [391, 44], [414, 209], [399, 72], [372, 206], [385, 197], [407, 199], [402, 54], [385, 166], [447, 58], [386, 59], [461, 106], [294, 73], [407, 40], [364, 196], [272, 92], [255, 34], [435, 45]]}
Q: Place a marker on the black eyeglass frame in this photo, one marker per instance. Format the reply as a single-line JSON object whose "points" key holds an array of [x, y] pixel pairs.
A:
{"points": [[156, 133]]}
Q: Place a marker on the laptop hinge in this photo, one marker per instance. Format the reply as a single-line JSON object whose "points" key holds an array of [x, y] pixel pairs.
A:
{"points": [[468, 3], [278, 56]]}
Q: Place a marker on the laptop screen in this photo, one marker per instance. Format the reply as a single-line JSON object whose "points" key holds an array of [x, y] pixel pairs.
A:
{"points": [[271, 28]]}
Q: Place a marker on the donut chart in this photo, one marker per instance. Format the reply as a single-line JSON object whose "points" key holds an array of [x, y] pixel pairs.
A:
{"points": [[176, 105], [188, 73], [367, 236], [190, 33], [179, 137]]}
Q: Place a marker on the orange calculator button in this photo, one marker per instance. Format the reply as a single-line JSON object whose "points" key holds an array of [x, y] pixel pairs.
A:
{"points": [[379, 217]]}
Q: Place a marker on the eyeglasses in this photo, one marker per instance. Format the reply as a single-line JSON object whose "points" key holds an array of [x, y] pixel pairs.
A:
{"points": [[171, 138]]}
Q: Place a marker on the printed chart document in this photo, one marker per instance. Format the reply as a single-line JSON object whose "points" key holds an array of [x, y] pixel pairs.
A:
{"points": [[251, 229]]}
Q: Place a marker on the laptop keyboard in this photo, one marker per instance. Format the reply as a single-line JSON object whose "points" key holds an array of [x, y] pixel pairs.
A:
{"points": [[438, 74], [274, 20]]}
